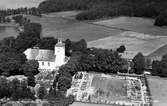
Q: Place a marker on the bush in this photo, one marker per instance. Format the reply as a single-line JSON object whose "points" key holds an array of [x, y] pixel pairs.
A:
{"points": [[90, 15], [161, 20]]}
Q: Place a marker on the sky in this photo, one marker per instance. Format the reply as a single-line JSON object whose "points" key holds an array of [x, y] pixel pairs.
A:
{"points": [[18, 3]]}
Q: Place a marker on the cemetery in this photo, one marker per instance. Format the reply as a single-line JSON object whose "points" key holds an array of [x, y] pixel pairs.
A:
{"points": [[122, 90]]}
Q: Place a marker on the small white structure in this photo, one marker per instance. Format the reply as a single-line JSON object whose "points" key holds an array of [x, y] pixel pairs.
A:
{"points": [[49, 60]]}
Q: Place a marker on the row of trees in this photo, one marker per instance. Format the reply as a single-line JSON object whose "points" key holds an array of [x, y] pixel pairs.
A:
{"points": [[15, 89], [4, 14], [12, 59], [21, 20], [96, 9], [71, 46], [140, 63], [28, 11], [160, 67]]}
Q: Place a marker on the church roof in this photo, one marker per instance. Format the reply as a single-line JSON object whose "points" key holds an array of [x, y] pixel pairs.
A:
{"points": [[32, 53], [40, 54], [45, 55]]}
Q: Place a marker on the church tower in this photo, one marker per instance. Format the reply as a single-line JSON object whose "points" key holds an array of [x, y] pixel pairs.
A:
{"points": [[59, 53]]}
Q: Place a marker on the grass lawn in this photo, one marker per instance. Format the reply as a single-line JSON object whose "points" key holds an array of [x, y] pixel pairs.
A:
{"points": [[158, 89]]}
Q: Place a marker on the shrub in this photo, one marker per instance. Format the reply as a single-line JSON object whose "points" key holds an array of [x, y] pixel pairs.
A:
{"points": [[161, 20]]}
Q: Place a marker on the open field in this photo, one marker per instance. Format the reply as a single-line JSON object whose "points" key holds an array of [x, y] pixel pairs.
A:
{"points": [[110, 33], [58, 26], [159, 52], [158, 89], [135, 42], [135, 24]]}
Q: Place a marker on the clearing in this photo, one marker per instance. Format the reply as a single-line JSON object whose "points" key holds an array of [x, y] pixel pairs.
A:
{"points": [[158, 89], [60, 25], [133, 41], [135, 24]]}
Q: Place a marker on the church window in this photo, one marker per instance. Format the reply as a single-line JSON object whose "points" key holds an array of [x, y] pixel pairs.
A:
{"points": [[43, 63], [48, 64]]}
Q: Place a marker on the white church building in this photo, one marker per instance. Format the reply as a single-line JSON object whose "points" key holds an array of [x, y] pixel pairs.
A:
{"points": [[49, 60]]}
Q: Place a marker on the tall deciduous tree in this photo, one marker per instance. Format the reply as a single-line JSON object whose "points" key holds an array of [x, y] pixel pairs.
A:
{"points": [[68, 47], [156, 67], [101, 60], [42, 92], [121, 49], [64, 83], [139, 63], [164, 66], [29, 37], [11, 61], [47, 43], [30, 67], [31, 80]]}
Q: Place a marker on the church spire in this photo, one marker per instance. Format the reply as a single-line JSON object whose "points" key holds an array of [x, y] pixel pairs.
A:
{"points": [[60, 43]]}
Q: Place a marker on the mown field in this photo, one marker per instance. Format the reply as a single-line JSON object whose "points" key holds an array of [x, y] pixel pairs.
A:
{"points": [[134, 42], [108, 33], [138, 35], [158, 89], [135, 24], [61, 25]]}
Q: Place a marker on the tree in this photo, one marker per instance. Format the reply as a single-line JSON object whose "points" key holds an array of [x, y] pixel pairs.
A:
{"points": [[139, 63], [34, 28], [11, 61], [164, 66], [156, 67], [68, 47], [161, 19], [101, 60], [47, 43], [64, 83], [21, 91], [57, 98], [29, 37], [30, 67], [42, 92], [79, 46], [18, 19], [5, 89], [31, 81], [8, 41], [121, 49]]}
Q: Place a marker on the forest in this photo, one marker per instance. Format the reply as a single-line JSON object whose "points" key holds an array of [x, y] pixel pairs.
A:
{"points": [[97, 9]]}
